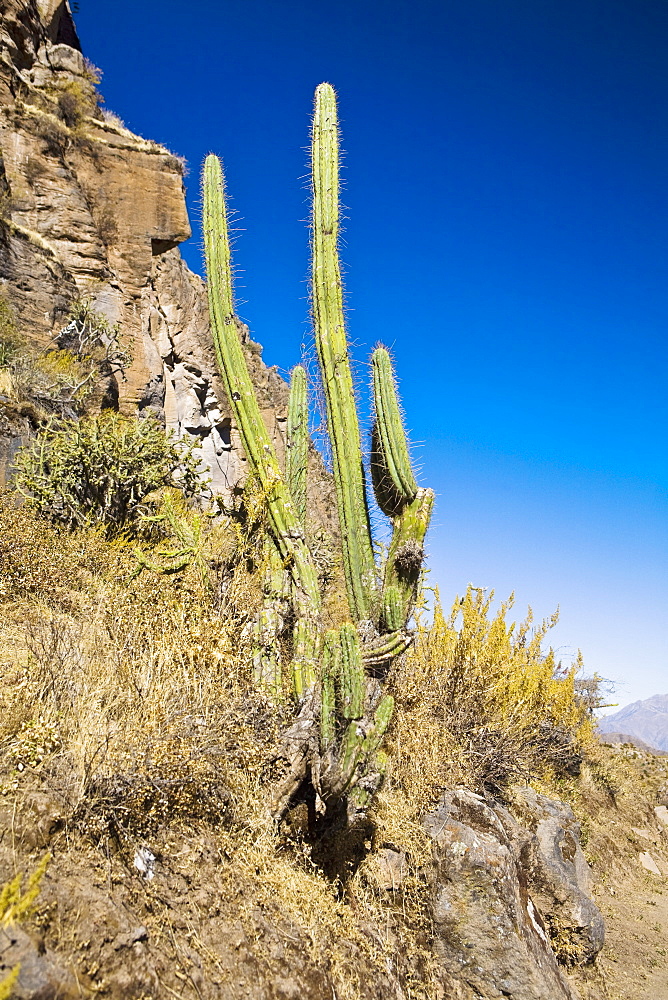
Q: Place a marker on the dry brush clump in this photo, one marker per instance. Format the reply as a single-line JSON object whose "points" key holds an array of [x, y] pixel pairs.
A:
{"points": [[77, 373], [143, 685], [484, 705]]}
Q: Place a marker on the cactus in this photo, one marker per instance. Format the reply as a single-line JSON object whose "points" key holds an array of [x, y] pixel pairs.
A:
{"points": [[330, 667], [267, 652], [286, 532], [392, 476], [296, 462], [351, 674], [337, 678], [332, 347]]}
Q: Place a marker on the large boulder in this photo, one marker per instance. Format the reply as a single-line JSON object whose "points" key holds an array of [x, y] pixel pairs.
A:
{"points": [[559, 876], [488, 931]]}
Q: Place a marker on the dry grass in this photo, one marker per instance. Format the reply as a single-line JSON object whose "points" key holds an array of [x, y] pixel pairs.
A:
{"points": [[143, 684]]}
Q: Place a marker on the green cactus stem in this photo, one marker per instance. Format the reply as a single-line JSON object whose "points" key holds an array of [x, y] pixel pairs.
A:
{"points": [[337, 682], [393, 609], [361, 742], [332, 348], [331, 657], [296, 462], [266, 646], [306, 638], [361, 796], [286, 530], [406, 553], [393, 480], [386, 648], [351, 674]]}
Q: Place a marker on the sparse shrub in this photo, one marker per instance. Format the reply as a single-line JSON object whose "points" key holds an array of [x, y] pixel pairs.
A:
{"points": [[12, 342], [102, 470], [89, 334], [34, 169], [53, 135], [481, 704], [82, 367], [111, 118], [76, 101]]}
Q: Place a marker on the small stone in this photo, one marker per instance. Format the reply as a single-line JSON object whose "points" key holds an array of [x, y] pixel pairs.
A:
{"points": [[661, 813], [391, 869], [649, 864]]}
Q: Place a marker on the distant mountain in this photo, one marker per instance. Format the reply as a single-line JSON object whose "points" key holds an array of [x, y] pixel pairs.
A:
{"points": [[617, 739], [646, 720]]}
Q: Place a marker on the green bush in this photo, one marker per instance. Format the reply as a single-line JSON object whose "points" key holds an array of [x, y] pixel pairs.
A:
{"points": [[103, 469]]}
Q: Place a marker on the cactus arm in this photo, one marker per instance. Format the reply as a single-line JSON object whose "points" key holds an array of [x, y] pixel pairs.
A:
{"points": [[332, 348], [392, 476], [359, 744], [297, 441], [406, 553], [287, 533], [388, 648], [306, 639], [392, 618]]}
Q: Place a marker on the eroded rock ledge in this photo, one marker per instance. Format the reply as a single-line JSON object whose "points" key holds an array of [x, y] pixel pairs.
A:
{"points": [[89, 209]]}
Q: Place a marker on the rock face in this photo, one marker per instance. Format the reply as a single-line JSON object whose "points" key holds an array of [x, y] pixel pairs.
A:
{"points": [[90, 210], [40, 975], [499, 891]]}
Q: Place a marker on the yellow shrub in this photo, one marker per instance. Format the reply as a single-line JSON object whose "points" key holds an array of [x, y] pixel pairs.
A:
{"points": [[482, 704]]}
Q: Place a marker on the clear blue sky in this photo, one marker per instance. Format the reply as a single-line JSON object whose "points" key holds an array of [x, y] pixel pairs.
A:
{"points": [[507, 198]]}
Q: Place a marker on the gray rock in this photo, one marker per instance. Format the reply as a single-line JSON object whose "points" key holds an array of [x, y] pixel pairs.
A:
{"points": [[488, 932], [559, 877], [40, 976]]}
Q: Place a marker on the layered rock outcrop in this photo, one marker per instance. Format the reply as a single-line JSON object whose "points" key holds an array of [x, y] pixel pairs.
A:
{"points": [[90, 210]]}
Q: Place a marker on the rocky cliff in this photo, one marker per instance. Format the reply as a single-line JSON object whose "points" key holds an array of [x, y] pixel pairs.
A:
{"points": [[90, 210]]}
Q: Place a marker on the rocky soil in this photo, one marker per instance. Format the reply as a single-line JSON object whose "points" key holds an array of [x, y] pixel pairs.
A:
{"points": [[192, 912]]}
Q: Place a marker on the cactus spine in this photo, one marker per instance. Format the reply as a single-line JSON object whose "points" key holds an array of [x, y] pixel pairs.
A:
{"points": [[328, 671]]}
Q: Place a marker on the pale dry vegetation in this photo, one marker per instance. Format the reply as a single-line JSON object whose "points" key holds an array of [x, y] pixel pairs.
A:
{"points": [[128, 680], [483, 704]]}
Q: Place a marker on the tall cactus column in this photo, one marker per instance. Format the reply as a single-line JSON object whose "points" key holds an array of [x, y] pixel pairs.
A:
{"points": [[398, 496], [286, 529], [332, 347], [338, 680]]}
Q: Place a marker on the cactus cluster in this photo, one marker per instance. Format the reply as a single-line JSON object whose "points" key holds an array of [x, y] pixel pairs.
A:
{"points": [[337, 675]]}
